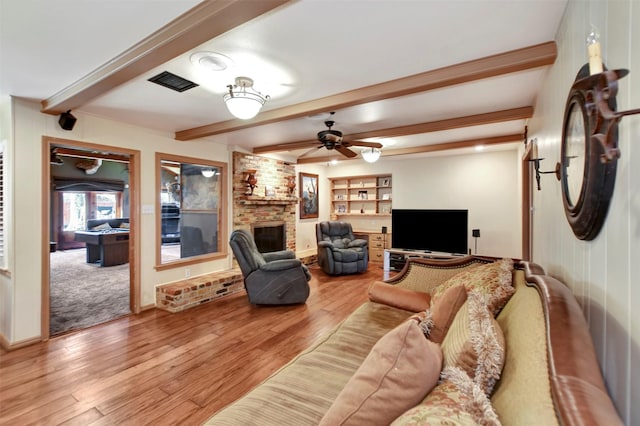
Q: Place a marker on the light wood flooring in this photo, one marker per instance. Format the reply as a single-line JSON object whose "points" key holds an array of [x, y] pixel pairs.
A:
{"points": [[165, 369]]}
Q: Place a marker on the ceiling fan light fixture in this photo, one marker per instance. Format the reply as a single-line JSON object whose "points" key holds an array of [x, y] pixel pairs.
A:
{"points": [[242, 100], [371, 155]]}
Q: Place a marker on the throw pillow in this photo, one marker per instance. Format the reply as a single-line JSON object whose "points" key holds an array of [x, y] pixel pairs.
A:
{"points": [[442, 313], [475, 343], [401, 368], [493, 280], [398, 297], [456, 400], [125, 225]]}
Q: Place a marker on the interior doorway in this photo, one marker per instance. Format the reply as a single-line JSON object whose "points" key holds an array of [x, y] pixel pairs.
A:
{"points": [[90, 272]]}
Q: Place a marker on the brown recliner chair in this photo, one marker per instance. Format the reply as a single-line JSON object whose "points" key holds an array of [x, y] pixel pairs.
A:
{"points": [[339, 252]]}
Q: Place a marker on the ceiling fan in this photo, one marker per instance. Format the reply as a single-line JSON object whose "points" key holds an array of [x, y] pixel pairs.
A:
{"points": [[333, 139]]}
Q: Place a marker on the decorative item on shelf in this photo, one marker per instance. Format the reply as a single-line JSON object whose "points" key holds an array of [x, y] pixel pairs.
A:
{"points": [[386, 182], [371, 155], [535, 159], [269, 191], [362, 195], [362, 209], [251, 181], [475, 233], [242, 100], [291, 184], [589, 148]]}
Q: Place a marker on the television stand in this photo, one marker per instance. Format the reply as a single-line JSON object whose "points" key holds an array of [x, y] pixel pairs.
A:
{"points": [[395, 259]]}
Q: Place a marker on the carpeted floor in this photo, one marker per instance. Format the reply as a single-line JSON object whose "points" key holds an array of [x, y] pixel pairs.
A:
{"points": [[82, 295]]}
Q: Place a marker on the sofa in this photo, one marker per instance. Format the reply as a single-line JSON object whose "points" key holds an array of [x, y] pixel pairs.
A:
{"points": [[534, 364]]}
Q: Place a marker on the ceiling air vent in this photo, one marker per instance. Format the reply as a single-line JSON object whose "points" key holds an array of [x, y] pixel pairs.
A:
{"points": [[173, 81]]}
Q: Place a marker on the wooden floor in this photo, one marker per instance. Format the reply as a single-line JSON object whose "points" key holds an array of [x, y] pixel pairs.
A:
{"points": [[161, 368]]}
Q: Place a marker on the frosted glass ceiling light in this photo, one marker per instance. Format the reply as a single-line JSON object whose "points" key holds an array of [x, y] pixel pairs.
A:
{"points": [[371, 155], [242, 100]]}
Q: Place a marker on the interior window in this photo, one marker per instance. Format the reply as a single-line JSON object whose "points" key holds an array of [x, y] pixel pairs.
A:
{"points": [[190, 209]]}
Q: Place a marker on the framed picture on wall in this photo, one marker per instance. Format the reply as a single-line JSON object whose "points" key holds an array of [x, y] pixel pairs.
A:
{"points": [[308, 196]]}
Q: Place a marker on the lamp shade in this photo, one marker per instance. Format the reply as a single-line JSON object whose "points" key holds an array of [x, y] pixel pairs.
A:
{"points": [[371, 155], [242, 101]]}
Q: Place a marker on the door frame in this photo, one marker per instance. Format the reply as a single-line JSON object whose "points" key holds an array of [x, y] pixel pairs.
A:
{"points": [[134, 219]]}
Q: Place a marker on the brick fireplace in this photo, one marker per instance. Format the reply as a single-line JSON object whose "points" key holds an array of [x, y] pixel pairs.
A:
{"points": [[264, 207]]}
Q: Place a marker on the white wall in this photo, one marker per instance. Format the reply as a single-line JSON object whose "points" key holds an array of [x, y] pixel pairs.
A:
{"points": [[485, 183], [603, 273], [29, 127], [6, 293]]}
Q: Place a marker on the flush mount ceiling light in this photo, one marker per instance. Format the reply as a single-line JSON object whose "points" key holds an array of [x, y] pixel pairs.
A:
{"points": [[371, 155], [211, 61], [242, 100]]}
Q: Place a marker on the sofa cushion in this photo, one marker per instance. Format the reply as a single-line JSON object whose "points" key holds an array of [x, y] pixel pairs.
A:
{"points": [[400, 370], [493, 280], [315, 377], [456, 400], [475, 343], [101, 227], [398, 297]]}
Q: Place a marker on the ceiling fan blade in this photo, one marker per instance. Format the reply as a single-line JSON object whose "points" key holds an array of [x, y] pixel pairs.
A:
{"points": [[310, 151], [346, 151], [362, 143]]}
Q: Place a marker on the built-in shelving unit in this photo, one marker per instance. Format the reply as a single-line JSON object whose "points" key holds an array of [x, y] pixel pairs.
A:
{"points": [[368, 195]]}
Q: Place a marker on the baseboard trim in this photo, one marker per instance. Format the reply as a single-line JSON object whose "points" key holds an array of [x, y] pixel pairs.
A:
{"points": [[10, 347], [147, 307]]}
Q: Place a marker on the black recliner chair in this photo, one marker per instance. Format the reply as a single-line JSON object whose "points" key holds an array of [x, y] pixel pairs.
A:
{"points": [[275, 278], [339, 252]]}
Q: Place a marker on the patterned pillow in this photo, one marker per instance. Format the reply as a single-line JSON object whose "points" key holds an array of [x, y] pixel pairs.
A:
{"points": [[456, 400], [401, 369], [493, 280], [398, 297], [475, 343]]}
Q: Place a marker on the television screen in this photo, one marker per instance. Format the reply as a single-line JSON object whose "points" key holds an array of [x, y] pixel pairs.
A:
{"points": [[430, 230]]}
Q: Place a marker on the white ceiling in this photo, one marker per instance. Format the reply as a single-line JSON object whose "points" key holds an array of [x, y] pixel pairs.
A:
{"points": [[298, 52]]}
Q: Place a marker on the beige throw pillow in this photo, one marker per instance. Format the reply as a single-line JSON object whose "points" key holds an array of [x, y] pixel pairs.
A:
{"points": [[401, 369]]}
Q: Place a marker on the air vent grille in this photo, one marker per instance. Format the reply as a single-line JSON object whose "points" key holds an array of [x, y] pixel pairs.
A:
{"points": [[173, 81]]}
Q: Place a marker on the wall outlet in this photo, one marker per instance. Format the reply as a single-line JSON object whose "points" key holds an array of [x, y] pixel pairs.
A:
{"points": [[187, 272]]}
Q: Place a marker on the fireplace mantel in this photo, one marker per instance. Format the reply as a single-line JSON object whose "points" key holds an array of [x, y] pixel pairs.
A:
{"points": [[266, 201]]}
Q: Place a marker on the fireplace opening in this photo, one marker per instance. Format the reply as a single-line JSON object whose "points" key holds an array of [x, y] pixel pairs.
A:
{"points": [[270, 236]]}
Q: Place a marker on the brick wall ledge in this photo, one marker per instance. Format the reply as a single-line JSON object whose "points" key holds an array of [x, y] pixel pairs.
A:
{"points": [[180, 295]]}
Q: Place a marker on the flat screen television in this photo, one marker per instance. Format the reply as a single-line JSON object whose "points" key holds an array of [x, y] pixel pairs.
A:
{"points": [[430, 230]]}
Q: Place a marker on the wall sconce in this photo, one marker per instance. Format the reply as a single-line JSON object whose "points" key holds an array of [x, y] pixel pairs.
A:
{"points": [[251, 181], [535, 159]]}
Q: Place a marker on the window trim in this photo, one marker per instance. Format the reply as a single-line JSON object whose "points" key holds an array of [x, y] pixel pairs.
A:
{"points": [[222, 232]]}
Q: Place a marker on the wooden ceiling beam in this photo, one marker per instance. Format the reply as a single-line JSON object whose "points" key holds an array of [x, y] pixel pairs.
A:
{"points": [[202, 23], [521, 113], [504, 63], [516, 137]]}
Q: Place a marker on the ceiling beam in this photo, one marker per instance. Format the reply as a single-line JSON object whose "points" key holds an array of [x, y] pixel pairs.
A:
{"points": [[490, 66], [517, 137], [522, 113], [202, 23]]}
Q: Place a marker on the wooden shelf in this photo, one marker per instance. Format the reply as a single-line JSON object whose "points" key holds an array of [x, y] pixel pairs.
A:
{"points": [[376, 187]]}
